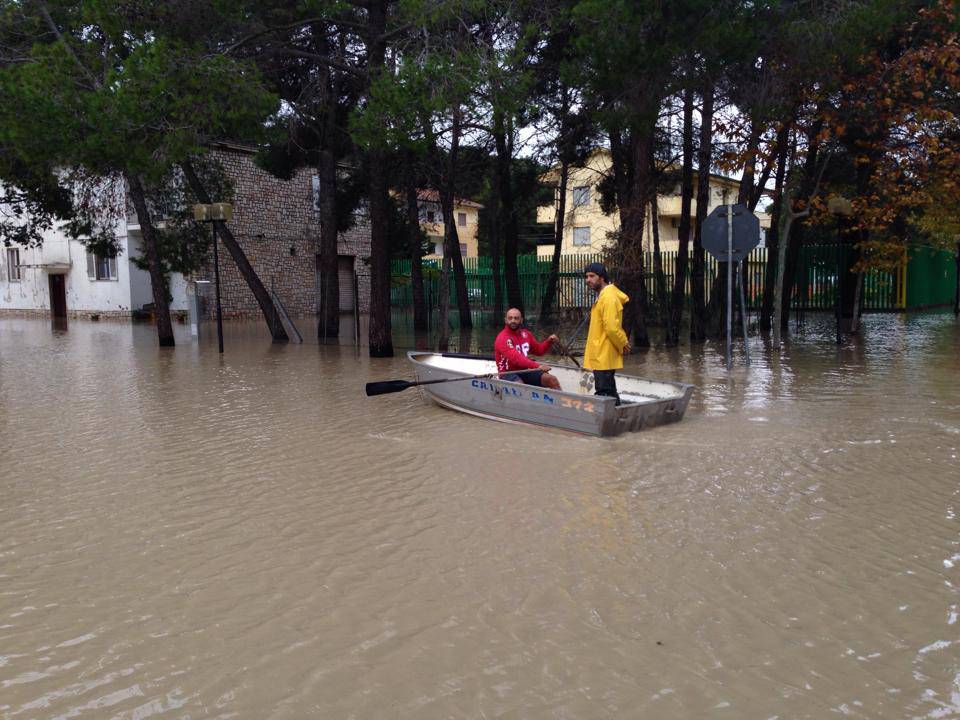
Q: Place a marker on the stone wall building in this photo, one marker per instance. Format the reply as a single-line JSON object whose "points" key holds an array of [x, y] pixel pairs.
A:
{"points": [[276, 222]]}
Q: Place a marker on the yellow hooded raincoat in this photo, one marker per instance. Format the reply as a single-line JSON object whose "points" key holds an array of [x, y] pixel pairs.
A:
{"points": [[606, 337]]}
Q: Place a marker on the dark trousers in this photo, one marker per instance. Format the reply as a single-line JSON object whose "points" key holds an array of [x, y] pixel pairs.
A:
{"points": [[605, 383]]}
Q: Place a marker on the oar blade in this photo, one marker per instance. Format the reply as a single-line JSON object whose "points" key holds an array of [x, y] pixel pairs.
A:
{"points": [[387, 386]]}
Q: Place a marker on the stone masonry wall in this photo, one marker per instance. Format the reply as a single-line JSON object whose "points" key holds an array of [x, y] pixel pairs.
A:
{"points": [[277, 225]]}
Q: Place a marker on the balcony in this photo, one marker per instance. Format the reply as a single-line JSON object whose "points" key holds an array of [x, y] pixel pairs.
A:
{"points": [[669, 206], [54, 256]]}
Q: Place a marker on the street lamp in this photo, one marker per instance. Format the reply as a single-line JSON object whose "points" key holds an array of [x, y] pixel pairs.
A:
{"points": [[214, 213]]}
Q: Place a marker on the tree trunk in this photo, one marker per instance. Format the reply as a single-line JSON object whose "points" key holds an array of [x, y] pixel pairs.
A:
{"points": [[420, 322], [443, 321], [558, 224], [496, 253], [621, 179], [631, 234], [660, 282], [269, 310], [956, 294], [508, 220], [848, 298], [745, 191], [381, 336], [698, 314], [451, 239], [855, 320], [683, 233], [158, 283], [766, 310], [328, 325], [786, 216], [329, 320], [807, 185]]}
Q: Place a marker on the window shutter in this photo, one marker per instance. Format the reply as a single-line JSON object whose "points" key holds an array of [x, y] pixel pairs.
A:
{"points": [[91, 266]]}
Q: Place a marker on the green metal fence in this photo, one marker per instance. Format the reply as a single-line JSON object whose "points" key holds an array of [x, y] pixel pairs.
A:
{"points": [[930, 278], [927, 279]]}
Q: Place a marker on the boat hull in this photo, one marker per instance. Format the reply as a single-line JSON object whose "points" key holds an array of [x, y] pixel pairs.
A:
{"points": [[646, 404]]}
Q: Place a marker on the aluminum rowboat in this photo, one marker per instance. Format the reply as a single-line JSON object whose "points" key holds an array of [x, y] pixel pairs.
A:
{"points": [[644, 403]]}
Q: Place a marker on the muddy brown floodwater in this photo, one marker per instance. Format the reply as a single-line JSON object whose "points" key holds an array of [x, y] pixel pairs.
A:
{"points": [[188, 537]]}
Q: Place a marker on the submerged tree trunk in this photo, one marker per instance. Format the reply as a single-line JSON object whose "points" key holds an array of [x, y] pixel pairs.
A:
{"points": [[698, 291], [558, 224], [683, 233], [267, 307], [420, 322], [158, 283]]}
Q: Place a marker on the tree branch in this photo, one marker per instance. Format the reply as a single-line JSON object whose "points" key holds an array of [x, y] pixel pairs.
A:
{"points": [[330, 62], [59, 35]]}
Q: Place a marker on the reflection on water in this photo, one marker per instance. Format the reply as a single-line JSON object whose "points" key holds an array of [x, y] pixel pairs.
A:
{"points": [[185, 535]]}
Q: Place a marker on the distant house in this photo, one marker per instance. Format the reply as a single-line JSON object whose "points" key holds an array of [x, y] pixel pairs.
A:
{"points": [[276, 222], [61, 278], [586, 228], [465, 213]]}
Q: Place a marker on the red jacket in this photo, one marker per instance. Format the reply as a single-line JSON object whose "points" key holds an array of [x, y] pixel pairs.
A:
{"points": [[510, 349]]}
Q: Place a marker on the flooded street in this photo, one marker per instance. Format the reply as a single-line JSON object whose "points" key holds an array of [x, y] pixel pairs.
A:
{"points": [[188, 536]]}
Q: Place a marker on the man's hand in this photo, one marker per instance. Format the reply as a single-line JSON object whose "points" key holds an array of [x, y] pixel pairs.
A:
{"points": [[626, 348], [544, 367], [553, 338]]}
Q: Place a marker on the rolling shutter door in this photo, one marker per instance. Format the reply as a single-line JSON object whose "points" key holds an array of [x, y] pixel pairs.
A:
{"points": [[345, 274]]}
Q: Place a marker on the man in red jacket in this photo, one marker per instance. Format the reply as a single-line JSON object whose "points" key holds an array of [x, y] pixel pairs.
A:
{"points": [[511, 348]]}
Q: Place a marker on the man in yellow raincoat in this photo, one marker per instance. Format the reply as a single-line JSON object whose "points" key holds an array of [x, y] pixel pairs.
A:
{"points": [[607, 343]]}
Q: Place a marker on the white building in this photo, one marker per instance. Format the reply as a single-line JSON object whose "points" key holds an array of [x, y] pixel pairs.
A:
{"points": [[63, 279]]}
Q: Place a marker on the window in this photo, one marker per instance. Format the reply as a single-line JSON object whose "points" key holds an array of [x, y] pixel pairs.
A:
{"points": [[581, 236], [13, 264], [462, 219], [581, 195], [463, 249], [100, 267]]}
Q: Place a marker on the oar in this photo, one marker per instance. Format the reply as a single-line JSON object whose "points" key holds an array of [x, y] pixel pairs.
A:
{"points": [[565, 351], [383, 387]]}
